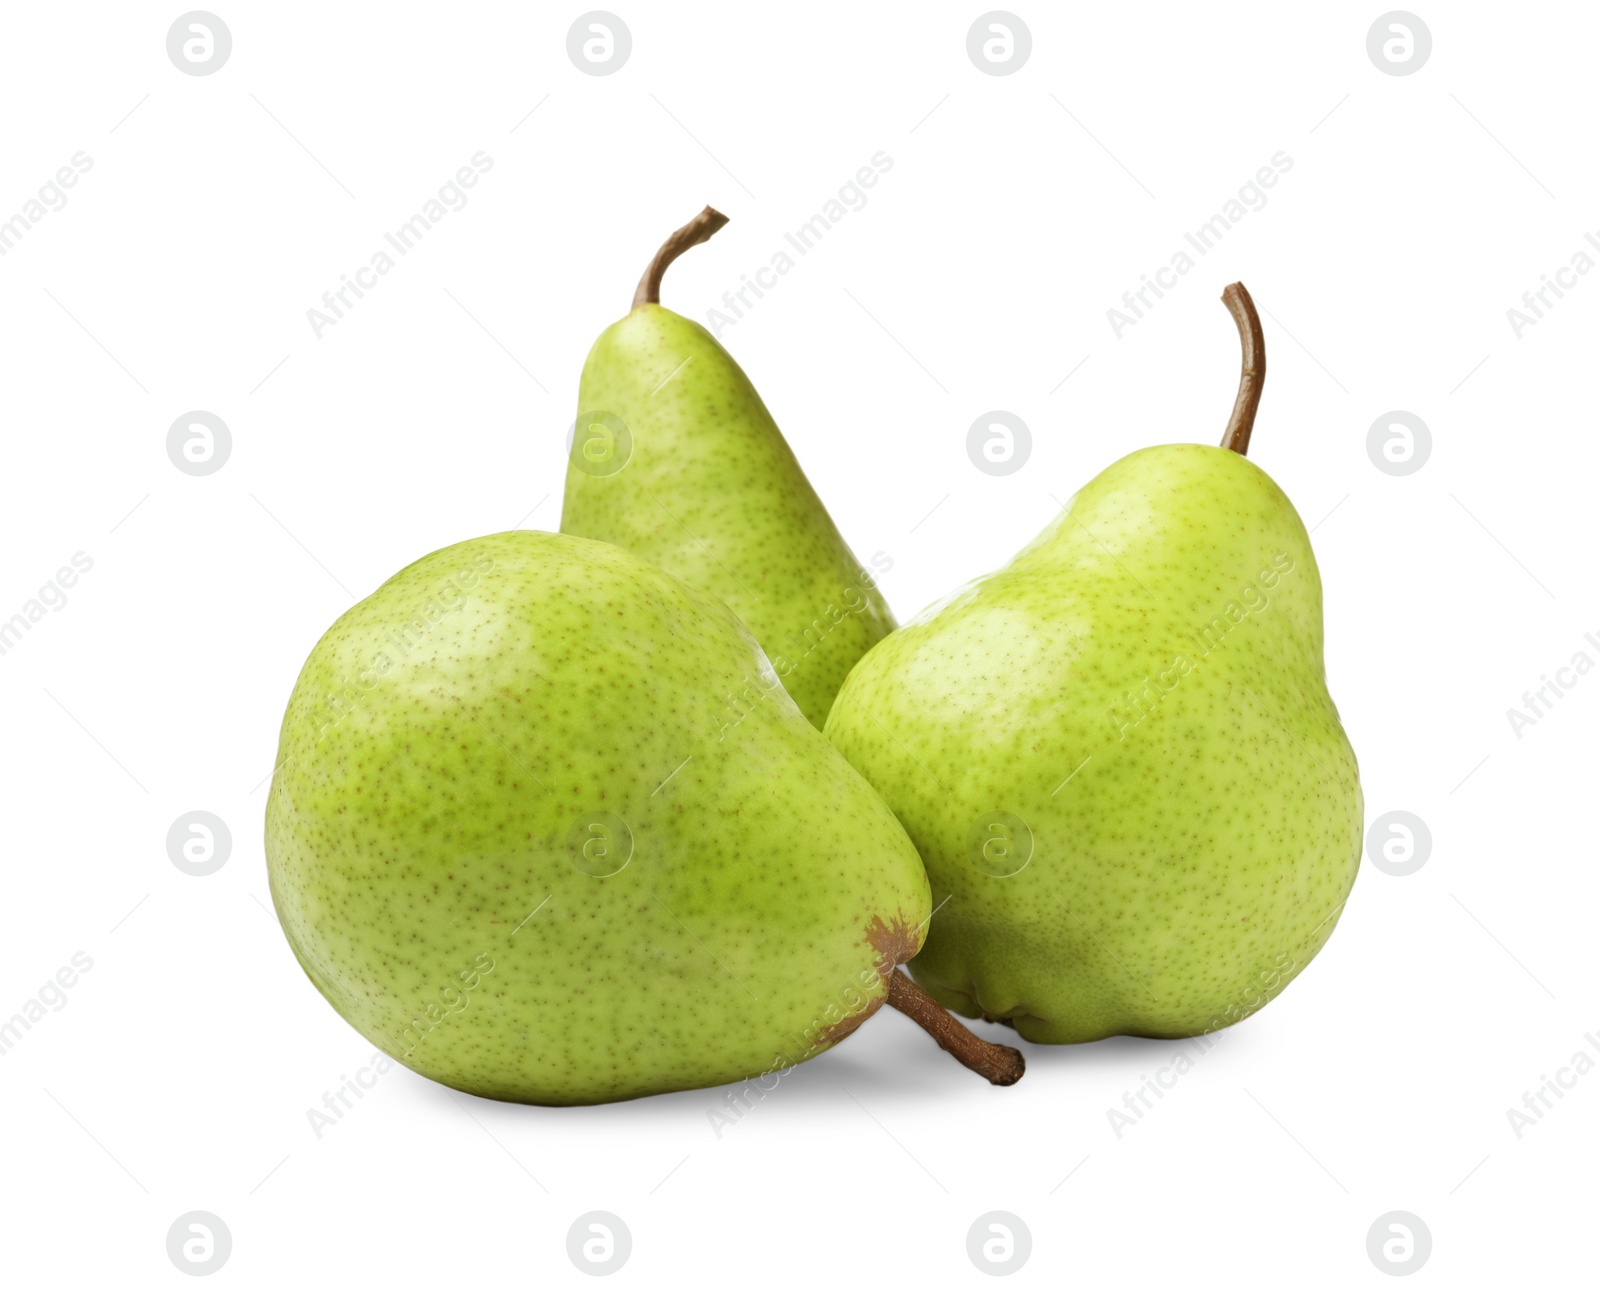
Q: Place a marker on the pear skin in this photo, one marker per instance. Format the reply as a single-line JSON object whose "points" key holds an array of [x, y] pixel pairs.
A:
{"points": [[676, 458], [507, 846], [1118, 756]]}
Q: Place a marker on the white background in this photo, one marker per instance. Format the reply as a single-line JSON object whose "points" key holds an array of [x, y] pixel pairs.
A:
{"points": [[1419, 208]]}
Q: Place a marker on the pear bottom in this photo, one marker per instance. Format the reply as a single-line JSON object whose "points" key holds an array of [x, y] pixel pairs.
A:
{"points": [[1049, 996]]}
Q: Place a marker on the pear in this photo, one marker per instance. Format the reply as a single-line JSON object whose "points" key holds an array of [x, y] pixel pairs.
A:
{"points": [[505, 848], [675, 458], [1118, 757]]}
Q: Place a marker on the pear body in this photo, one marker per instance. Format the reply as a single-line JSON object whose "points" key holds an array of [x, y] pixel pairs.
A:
{"points": [[507, 845], [1119, 760], [676, 458]]}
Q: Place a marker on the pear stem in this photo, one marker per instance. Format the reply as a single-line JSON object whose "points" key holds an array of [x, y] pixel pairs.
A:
{"points": [[1000, 1065], [1252, 368], [693, 233]]}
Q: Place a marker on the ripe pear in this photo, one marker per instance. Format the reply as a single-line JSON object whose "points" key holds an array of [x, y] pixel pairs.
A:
{"points": [[675, 457], [505, 846], [1118, 757]]}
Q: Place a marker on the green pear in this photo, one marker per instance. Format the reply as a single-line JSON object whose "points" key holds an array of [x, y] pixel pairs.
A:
{"points": [[1118, 757], [675, 458], [505, 846]]}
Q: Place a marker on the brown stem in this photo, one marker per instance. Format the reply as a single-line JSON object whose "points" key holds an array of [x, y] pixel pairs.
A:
{"points": [[1001, 1065], [1252, 368], [693, 233]]}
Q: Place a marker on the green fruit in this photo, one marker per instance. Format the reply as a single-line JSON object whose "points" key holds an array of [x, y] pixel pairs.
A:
{"points": [[675, 458], [504, 845], [1118, 757]]}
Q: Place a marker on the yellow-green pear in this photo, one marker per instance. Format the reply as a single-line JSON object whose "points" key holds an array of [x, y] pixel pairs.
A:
{"points": [[1117, 755], [506, 845], [675, 458]]}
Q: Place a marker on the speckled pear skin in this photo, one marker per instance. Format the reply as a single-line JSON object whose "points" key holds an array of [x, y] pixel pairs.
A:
{"points": [[1142, 686], [446, 738], [713, 494]]}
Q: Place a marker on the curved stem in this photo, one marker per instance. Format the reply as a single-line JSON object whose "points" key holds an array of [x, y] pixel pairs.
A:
{"points": [[1252, 368], [693, 233], [1000, 1065]]}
